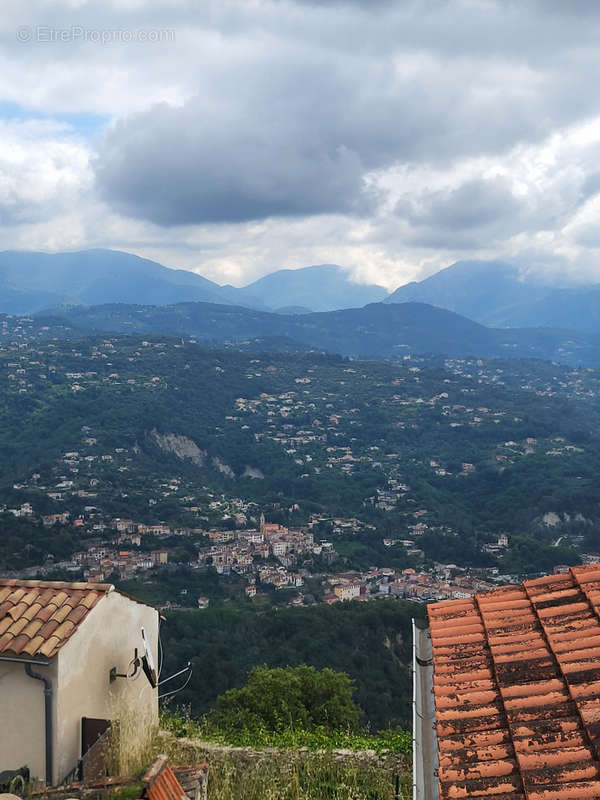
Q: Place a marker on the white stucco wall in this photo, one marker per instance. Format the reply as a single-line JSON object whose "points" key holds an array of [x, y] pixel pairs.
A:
{"points": [[22, 731], [105, 639], [81, 686]]}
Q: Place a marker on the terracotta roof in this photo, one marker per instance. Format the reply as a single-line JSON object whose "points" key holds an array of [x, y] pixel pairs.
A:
{"points": [[163, 783], [160, 783], [38, 617], [517, 690]]}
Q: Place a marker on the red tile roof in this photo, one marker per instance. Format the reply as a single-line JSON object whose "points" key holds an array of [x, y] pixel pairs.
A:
{"points": [[517, 690], [163, 783], [160, 783], [38, 617]]}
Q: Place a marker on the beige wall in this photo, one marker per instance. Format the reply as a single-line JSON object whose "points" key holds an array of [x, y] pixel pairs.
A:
{"points": [[105, 639], [22, 718]]}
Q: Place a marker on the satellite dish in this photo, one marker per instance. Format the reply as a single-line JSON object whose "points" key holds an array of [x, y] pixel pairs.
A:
{"points": [[148, 663]]}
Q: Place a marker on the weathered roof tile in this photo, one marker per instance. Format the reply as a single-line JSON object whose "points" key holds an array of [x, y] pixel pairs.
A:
{"points": [[62, 612], [517, 690], [50, 646], [38, 617]]}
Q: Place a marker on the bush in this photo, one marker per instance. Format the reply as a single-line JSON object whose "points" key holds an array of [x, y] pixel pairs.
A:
{"points": [[296, 698]]}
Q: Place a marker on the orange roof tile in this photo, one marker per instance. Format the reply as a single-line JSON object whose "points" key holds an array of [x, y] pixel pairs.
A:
{"points": [[162, 783], [38, 617], [517, 690]]}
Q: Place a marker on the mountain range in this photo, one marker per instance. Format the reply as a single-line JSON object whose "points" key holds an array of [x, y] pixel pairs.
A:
{"points": [[496, 294], [492, 293], [31, 282]]}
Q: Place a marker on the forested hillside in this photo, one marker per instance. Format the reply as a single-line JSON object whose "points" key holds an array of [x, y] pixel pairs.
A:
{"points": [[469, 449], [375, 331], [370, 642]]}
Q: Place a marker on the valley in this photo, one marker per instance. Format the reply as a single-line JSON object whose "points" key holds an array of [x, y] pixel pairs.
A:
{"points": [[239, 490]]}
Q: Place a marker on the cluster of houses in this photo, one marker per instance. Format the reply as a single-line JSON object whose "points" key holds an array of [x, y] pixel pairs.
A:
{"points": [[240, 550], [98, 562], [442, 583], [272, 555]]}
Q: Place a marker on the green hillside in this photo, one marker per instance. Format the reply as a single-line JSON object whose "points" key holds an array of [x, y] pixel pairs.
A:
{"points": [[370, 642]]}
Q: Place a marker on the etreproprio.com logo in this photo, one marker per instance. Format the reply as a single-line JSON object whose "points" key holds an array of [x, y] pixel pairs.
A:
{"points": [[77, 33]]}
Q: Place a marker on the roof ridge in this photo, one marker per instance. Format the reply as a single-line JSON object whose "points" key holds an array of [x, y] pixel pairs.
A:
{"points": [[75, 585]]}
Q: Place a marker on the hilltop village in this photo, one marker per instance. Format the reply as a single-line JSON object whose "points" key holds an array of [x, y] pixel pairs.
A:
{"points": [[270, 556]]}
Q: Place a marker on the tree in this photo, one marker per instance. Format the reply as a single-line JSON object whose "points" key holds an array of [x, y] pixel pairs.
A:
{"points": [[298, 697]]}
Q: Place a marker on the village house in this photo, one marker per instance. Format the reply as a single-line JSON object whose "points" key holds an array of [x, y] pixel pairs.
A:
{"points": [[68, 653], [348, 591], [159, 557], [53, 519]]}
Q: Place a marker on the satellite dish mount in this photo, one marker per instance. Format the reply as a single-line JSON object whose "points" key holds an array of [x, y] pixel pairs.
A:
{"points": [[133, 669]]}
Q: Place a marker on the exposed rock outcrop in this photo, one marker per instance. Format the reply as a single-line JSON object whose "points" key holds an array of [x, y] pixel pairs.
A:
{"points": [[180, 446]]}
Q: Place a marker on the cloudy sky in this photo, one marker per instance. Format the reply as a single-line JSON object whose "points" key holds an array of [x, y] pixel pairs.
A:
{"points": [[235, 137]]}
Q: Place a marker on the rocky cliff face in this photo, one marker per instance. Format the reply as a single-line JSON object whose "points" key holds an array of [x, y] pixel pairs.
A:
{"points": [[180, 446]]}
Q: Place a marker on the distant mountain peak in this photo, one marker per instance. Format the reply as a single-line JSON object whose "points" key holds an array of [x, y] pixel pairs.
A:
{"points": [[503, 295], [34, 281], [319, 287]]}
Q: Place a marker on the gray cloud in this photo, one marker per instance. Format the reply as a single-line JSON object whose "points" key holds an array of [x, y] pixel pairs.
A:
{"points": [[293, 112], [296, 135], [471, 205], [182, 166], [289, 110]]}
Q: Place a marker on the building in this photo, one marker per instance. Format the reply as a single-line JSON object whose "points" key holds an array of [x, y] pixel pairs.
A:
{"points": [[279, 548], [269, 529], [159, 557], [252, 537], [66, 652], [516, 692], [347, 591]]}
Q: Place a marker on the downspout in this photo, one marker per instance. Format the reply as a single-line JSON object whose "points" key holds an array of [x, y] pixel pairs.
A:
{"points": [[48, 718], [415, 743]]}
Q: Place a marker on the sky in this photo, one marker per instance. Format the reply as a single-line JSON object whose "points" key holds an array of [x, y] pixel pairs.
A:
{"points": [[236, 137]]}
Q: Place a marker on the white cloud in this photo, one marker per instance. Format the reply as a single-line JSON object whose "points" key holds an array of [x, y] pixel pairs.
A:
{"points": [[44, 170], [477, 122]]}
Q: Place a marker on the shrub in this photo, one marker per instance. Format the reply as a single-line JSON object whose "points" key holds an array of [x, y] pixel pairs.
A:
{"points": [[296, 698]]}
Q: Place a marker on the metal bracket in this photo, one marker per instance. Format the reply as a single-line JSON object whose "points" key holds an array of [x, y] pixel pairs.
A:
{"points": [[113, 674]]}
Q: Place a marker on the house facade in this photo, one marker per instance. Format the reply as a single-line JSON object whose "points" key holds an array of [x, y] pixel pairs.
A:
{"points": [[68, 654]]}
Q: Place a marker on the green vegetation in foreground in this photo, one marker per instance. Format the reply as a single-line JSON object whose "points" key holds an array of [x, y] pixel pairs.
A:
{"points": [[289, 697], [305, 717], [289, 707], [370, 642], [394, 740], [288, 775], [318, 777]]}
